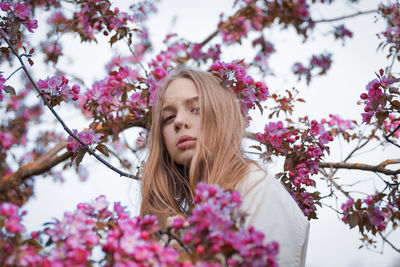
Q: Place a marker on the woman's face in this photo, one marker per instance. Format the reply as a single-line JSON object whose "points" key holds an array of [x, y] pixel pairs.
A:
{"points": [[181, 120]]}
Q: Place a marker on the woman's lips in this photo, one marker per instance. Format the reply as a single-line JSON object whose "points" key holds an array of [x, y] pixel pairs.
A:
{"points": [[186, 144]]}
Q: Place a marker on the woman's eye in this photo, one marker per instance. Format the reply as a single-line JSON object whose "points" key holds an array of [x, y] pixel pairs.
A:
{"points": [[196, 109], [168, 119]]}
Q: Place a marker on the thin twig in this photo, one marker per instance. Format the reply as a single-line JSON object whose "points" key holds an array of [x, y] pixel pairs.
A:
{"points": [[210, 37], [91, 152], [395, 130], [393, 60], [390, 141], [13, 73], [336, 185], [170, 235], [332, 208], [357, 148], [136, 58], [347, 16], [387, 241]]}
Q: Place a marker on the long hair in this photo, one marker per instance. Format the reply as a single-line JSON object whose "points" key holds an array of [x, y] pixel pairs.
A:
{"points": [[168, 188]]}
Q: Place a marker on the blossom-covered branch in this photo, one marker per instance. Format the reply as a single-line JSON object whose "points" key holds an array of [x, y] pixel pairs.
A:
{"points": [[359, 166], [46, 102]]}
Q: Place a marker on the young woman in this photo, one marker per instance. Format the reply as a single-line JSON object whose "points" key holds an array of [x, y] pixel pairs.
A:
{"points": [[196, 135]]}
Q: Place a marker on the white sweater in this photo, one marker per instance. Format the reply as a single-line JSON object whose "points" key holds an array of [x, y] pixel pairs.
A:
{"points": [[273, 211]]}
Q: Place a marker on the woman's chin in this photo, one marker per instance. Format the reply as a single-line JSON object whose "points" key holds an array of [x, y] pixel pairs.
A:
{"points": [[185, 158]]}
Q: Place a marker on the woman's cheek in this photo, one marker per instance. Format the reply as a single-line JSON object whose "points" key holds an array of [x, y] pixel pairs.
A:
{"points": [[168, 139]]}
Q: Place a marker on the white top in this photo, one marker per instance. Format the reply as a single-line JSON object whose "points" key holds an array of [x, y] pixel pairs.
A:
{"points": [[273, 211]]}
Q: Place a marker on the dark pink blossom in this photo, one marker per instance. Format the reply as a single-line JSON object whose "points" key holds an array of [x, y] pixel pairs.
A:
{"points": [[57, 88], [341, 32], [376, 99], [21, 11], [234, 77], [87, 137], [391, 124], [5, 6]]}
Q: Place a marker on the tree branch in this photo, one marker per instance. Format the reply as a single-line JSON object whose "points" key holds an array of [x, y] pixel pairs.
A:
{"points": [[15, 71], [210, 37], [390, 141], [137, 59], [358, 166], [387, 241], [333, 182], [90, 151], [43, 164], [395, 130], [347, 16]]}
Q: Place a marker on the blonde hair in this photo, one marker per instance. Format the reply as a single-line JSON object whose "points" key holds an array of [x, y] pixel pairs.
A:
{"points": [[167, 188]]}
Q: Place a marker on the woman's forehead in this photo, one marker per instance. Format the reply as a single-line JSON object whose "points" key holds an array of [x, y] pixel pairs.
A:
{"points": [[180, 90]]}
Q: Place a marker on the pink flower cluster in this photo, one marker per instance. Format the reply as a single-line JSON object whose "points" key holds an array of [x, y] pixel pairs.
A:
{"points": [[266, 49], [195, 52], [321, 63], [305, 200], [143, 9], [392, 33], [261, 14], [52, 50], [377, 97], [391, 124], [10, 218], [341, 32], [6, 140], [211, 230], [303, 150], [161, 66], [375, 214], [131, 244], [96, 16], [10, 227], [21, 12], [347, 207], [56, 89], [214, 52], [234, 76], [237, 29], [88, 137], [275, 134], [94, 232], [105, 96], [124, 241], [366, 213], [341, 124]]}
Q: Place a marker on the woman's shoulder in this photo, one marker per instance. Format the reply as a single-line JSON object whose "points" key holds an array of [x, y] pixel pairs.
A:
{"points": [[256, 175], [260, 184]]}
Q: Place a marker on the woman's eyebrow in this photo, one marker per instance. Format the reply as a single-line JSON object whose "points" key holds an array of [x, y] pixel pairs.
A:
{"points": [[191, 100], [186, 102]]}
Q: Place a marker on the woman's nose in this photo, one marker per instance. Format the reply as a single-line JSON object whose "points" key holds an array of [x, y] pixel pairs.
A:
{"points": [[181, 121]]}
